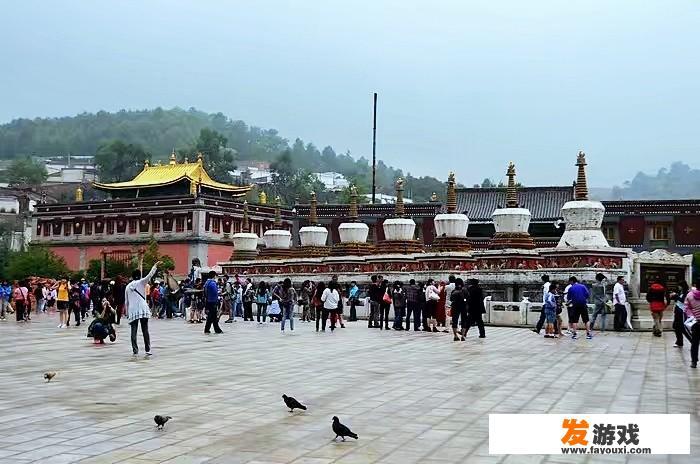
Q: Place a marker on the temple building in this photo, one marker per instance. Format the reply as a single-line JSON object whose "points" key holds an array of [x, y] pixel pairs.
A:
{"points": [[188, 213]]}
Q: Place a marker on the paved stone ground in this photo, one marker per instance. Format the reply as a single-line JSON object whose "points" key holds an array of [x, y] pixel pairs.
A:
{"points": [[412, 397]]}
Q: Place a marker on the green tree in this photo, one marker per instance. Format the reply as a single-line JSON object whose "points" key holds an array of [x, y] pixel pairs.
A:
{"points": [[26, 171], [292, 184], [152, 254], [117, 161], [37, 261], [218, 159], [113, 268]]}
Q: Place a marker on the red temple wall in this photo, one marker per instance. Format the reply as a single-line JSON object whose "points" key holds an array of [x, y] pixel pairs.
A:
{"points": [[70, 254], [180, 254], [218, 253]]}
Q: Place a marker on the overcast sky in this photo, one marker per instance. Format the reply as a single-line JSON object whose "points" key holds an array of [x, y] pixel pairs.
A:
{"points": [[463, 85]]}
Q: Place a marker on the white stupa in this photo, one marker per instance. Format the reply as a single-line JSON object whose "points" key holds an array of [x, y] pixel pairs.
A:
{"points": [[245, 243], [313, 236], [277, 238], [582, 216], [512, 222], [451, 227], [399, 227], [353, 232]]}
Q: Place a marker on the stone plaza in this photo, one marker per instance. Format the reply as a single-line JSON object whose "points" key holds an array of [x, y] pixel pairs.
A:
{"points": [[411, 397]]}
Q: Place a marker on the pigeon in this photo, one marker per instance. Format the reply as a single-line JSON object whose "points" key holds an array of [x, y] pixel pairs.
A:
{"points": [[49, 375], [292, 403], [341, 431], [161, 421], [567, 243]]}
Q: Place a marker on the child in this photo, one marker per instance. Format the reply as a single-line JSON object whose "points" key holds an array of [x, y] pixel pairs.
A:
{"points": [[275, 311], [550, 311]]}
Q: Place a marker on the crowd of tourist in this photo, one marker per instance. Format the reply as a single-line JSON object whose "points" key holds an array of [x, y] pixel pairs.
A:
{"points": [[428, 306]]}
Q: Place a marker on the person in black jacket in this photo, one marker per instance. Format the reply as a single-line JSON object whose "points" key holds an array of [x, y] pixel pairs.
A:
{"points": [[458, 309], [475, 307]]}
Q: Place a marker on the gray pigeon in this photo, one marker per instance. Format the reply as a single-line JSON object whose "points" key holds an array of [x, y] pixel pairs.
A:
{"points": [[292, 403], [161, 421], [341, 431]]}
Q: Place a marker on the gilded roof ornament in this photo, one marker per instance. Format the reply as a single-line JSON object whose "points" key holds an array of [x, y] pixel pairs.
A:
{"points": [[173, 158]]}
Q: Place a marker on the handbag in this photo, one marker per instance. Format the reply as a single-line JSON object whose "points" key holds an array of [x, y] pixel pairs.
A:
{"points": [[386, 298], [690, 322]]}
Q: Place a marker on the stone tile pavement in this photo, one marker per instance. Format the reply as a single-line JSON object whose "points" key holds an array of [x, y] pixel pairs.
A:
{"points": [[411, 397]]}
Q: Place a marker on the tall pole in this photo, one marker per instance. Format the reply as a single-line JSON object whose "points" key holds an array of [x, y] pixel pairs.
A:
{"points": [[374, 151]]}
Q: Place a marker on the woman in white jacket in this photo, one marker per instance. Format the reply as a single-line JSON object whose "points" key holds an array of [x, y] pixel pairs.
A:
{"points": [[137, 309], [331, 298]]}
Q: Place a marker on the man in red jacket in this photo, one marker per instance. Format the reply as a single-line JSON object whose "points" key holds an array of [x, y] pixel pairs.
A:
{"points": [[658, 301]]}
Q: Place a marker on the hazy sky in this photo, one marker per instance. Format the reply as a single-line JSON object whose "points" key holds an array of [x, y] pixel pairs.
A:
{"points": [[463, 85]]}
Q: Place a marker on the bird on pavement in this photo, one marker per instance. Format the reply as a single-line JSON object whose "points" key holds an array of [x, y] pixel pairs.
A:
{"points": [[161, 421], [292, 403], [49, 375], [341, 431]]}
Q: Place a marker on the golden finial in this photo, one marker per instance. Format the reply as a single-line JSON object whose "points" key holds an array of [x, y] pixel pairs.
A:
{"points": [[145, 164], [511, 191], [262, 197], [353, 214], [399, 208], [246, 220], [278, 212], [434, 197], [78, 194], [313, 218], [200, 158], [173, 158], [581, 190], [194, 188], [187, 160], [451, 193]]}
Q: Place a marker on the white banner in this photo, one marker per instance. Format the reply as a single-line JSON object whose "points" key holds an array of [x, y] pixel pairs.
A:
{"points": [[597, 434]]}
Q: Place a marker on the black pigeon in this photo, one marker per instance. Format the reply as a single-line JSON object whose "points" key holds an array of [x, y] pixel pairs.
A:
{"points": [[567, 243], [161, 421], [48, 376], [341, 431], [292, 403]]}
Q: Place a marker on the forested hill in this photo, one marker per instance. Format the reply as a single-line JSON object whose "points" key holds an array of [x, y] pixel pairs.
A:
{"points": [[158, 131]]}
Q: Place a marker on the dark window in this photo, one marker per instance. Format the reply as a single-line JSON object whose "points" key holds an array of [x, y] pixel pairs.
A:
{"points": [[179, 224], [133, 224], [88, 227]]}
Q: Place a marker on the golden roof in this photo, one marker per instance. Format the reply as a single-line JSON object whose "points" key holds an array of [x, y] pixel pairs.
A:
{"points": [[167, 174]]}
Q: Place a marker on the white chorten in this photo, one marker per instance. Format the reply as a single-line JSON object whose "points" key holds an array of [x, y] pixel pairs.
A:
{"points": [[354, 231], [582, 216], [451, 224], [277, 238], [245, 241], [512, 222], [313, 235], [399, 227]]}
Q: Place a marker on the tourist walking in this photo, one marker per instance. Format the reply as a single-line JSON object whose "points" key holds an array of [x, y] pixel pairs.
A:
{"points": [[262, 299], [475, 307], [600, 300], [658, 300], [137, 310], [441, 309], [578, 296], [62, 298], [353, 299], [118, 296], [305, 301], [330, 298], [398, 298], [40, 294], [248, 298], [458, 310], [432, 297], [678, 299], [543, 316], [287, 297], [411, 290], [619, 302], [692, 309], [375, 298], [20, 295], [211, 304], [319, 306], [384, 304], [550, 310], [76, 306], [5, 297]]}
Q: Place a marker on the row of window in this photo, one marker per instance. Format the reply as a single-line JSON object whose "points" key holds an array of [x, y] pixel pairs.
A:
{"points": [[657, 232], [110, 227]]}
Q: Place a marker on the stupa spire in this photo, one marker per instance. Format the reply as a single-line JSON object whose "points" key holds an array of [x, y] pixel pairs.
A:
{"points": [[278, 212], [246, 220], [313, 218], [399, 208], [173, 158], [353, 214], [451, 193], [511, 191], [581, 191]]}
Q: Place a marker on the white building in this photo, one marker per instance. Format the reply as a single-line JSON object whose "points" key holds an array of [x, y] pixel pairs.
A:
{"points": [[385, 199], [333, 181]]}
